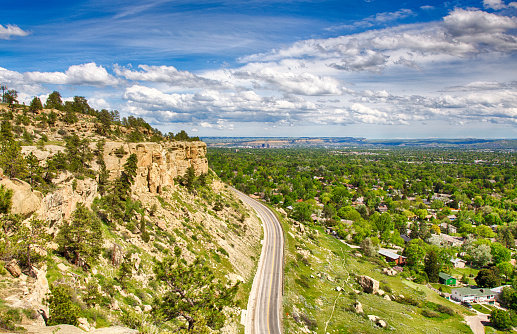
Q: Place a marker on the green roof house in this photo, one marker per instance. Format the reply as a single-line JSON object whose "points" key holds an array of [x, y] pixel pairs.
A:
{"points": [[446, 279]]}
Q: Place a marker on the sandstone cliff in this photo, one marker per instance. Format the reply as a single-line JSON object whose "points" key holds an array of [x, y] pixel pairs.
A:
{"points": [[158, 164]]}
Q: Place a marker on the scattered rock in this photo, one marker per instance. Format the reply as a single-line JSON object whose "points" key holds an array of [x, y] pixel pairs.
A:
{"points": [[338, 288], [389, 271], [373, 318], [368, 284], [358, 255], [387, 298], [380, 292], [382, 323], [13, 268], [62, 267], [358, 307], [84, 324], [356, 291], [148, 308]]}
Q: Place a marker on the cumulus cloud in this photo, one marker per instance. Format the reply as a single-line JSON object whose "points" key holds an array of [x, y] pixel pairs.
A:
{"points": [[293, 83], [494, 4], [82, 75], [10, 31], [169, 75], [462, 33]]}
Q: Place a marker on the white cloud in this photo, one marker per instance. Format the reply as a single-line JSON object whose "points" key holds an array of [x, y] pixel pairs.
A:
{"points": [[293, 83], [10, 31], [494, 4], [82, 75], [169, 75], [377, 19]]}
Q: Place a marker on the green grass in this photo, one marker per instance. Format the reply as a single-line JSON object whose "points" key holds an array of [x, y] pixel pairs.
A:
{"points": [[481, 309], [444, 288], [315, 301]]}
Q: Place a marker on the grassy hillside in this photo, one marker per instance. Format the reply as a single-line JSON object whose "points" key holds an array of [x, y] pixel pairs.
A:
{"points": [[321, 290]]}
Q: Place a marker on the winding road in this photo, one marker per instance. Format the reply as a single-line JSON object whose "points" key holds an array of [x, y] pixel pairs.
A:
{"points": [[265, 301]]}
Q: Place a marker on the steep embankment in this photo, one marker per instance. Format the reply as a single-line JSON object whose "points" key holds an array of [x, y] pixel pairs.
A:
{"points": [[205, 221]]}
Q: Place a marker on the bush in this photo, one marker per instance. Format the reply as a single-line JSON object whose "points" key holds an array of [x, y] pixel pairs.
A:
{"points": [[445, 309], [62, 309], [430, 314]]}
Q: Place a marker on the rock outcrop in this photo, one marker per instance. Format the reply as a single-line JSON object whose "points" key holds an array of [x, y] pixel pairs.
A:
{"points": [[368, 284], [25, 201], [158, 164]]}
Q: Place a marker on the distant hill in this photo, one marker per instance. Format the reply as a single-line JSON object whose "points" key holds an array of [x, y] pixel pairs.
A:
{"points": [[286, 142]]}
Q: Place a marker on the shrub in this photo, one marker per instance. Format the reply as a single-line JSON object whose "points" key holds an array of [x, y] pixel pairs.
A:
{"points": [[445, 309], [430, 314], [62, 309]]}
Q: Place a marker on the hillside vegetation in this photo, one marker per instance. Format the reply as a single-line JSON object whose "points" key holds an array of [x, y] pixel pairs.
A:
{"points": [[109, 222], [448, 211]]}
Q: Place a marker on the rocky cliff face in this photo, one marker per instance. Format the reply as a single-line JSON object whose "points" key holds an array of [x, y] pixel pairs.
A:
{"points": [[158, 164]]}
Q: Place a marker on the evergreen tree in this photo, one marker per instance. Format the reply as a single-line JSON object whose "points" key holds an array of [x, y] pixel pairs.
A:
{"points": [[432, 266], [193, 294], [80, 240], [11, 159], [6, 196], [62, 309], [125, 270], [54, 101], [35, 104]]}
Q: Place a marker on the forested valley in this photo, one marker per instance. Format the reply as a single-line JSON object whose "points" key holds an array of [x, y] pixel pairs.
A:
{"points": [[435, 207]]}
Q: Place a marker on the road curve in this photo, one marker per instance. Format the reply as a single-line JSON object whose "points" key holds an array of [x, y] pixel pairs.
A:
{"points": [[265, 301]]}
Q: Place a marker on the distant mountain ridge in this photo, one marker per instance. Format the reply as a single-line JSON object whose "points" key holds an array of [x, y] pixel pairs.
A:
{"points": [[286, 142]]}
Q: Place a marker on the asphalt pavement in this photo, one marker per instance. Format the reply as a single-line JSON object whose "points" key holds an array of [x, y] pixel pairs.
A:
{"points": [[265, 301]]}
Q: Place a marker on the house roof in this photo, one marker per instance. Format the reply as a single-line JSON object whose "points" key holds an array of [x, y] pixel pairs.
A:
{"points": [[390, 254], [405, 238], [456, 260], [445, 276], [499, 289], [474, 292]]}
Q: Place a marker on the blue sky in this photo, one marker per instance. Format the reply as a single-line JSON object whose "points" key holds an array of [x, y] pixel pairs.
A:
{"points": [[375, 69]]}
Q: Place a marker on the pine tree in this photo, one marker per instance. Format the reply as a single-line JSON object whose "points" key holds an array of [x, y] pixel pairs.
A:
{"points": [[80, 240], [193, 294], [35, 104], [62, 309], [432, 267]]}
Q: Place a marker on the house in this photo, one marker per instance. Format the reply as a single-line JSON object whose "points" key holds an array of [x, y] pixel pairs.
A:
{"points": [[392, 257], [473, 295], [498, 290], [405, 238], [446, 279], [382, 208], [448, 228], [458, 263]]}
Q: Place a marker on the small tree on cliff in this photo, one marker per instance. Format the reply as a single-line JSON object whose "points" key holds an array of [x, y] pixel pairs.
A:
{"points": [[121, 190], [193, 294], [80, 240]]}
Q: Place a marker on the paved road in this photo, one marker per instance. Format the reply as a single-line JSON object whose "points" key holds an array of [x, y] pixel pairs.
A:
{"points": [[265, 301]]}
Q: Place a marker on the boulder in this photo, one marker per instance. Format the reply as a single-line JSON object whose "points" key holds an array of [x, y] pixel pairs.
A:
{"points": [[373, 318], [368, 284], [358, 307], [389, 271], [380, 292], [387, 298], [382, 323], [24, 200], [13, 268], [84, 324]]}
